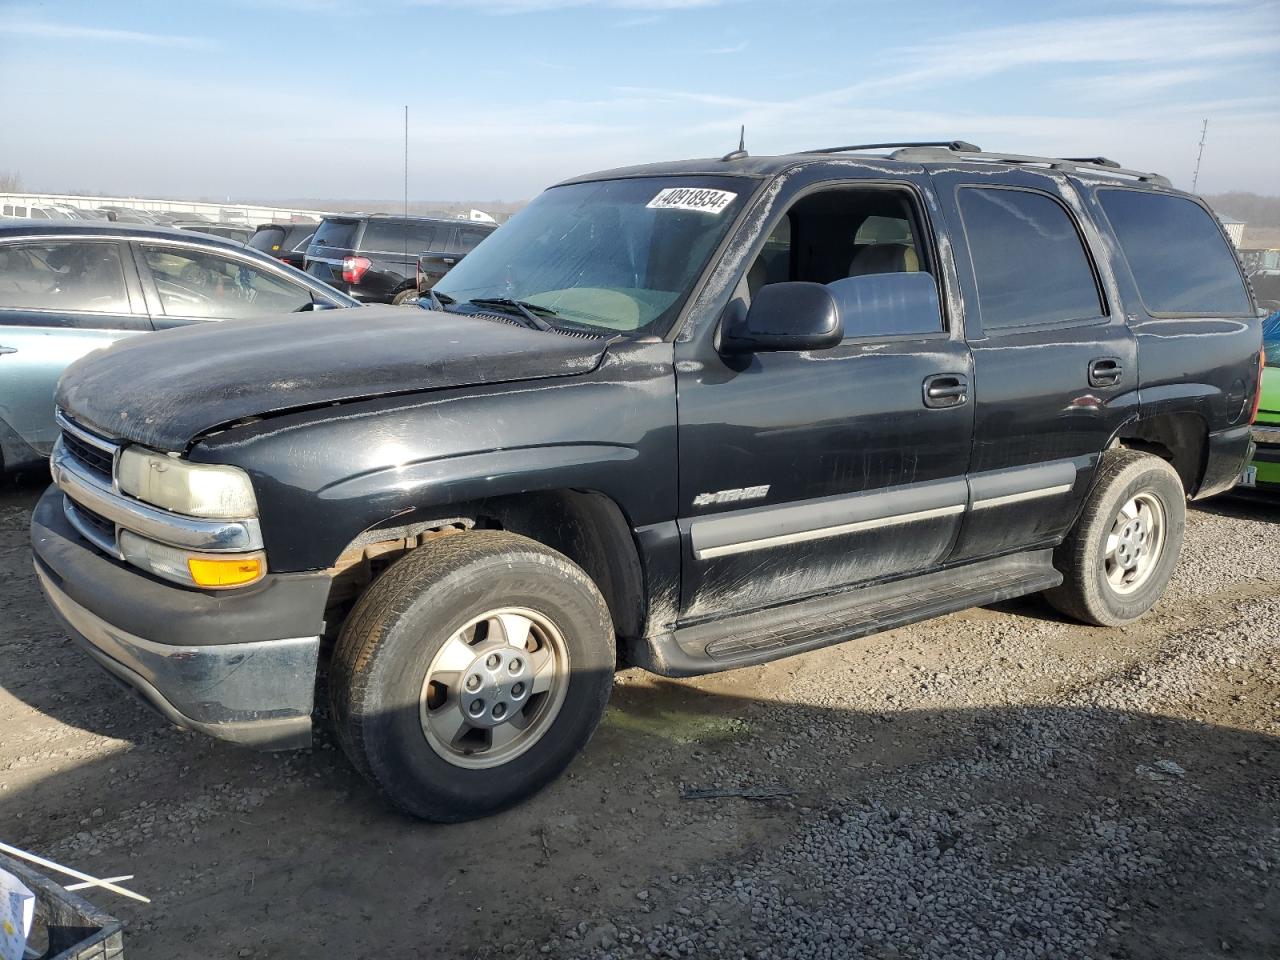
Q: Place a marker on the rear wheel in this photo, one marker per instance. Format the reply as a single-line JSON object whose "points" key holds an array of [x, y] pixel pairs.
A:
{"points": [[471, 673], [403, 295], [1119, 557]]}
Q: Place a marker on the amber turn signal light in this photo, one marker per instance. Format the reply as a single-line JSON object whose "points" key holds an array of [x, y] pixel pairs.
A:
{"points": [[229, 572]]}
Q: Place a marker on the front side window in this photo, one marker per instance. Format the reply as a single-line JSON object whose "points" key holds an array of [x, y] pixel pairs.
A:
{"points": [[1029, 263], [861, 243], [609, 255], [68, 275], [1178, 256], [208, 286]]}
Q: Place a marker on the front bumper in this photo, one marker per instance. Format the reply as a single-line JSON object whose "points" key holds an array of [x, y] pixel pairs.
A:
{"points": [[1267, 458], [239, 666]]}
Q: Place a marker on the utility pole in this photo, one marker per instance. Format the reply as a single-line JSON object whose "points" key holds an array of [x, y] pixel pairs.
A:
{"points": [[1195, 177], [406, 181]]}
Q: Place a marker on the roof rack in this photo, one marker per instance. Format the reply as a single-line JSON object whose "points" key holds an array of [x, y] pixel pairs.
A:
{"points": [[957, 145], [932, 153]]}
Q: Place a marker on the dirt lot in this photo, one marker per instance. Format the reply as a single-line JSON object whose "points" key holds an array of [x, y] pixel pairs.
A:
{"points": [[996, 784]]}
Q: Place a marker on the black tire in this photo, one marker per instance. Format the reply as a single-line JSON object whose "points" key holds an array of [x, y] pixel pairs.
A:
{"points": [[402, 296], [1086, 593], [395, 630]]}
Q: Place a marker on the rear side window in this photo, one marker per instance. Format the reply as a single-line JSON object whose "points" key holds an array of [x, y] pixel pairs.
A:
{"points": [[268, 239], [70, 275], [395, 236], [470, 237], [1177, 254], [1029, 263], [336, 233]]}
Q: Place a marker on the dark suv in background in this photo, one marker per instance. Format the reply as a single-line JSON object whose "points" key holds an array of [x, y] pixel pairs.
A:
{"points": [[374, 257], [287, 242], [448, 252]]}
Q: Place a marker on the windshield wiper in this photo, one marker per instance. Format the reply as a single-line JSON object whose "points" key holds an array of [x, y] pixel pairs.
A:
{"points": [[529, 311], [440, 300]]}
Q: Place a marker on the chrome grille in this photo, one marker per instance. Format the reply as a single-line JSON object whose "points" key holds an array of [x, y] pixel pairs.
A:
{"points": [[92, 457], [93, 452]]}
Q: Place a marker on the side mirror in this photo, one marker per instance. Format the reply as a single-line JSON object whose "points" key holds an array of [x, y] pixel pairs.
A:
{"points": [[785, 316], [889, 304]]}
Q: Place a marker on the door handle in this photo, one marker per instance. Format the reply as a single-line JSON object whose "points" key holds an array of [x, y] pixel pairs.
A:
{"points": [[4, 350], [945, 390], [1105, 372]]}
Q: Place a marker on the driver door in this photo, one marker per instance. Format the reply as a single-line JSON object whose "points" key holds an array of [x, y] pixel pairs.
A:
{"points": [[807, 472]]}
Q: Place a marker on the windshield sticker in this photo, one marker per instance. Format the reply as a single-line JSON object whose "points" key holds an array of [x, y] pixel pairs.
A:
{"points": [[692, 198]]}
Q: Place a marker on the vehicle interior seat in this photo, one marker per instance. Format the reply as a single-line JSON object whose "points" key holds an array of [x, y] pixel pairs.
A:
{"points": [[884, 258]]}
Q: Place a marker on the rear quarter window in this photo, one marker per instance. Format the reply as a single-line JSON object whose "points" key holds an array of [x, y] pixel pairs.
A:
{"points": [[1177, 253]]}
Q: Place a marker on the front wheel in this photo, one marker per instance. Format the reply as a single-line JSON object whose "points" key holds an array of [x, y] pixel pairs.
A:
{"points": [[471, 673], [1119, 557]]}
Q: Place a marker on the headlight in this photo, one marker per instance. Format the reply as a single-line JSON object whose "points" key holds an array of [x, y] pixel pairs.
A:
{"points": [[193, 489], [209, 571]]}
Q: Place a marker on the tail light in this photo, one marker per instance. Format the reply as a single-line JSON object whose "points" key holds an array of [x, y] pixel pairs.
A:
{"points": [[354, 268], [1257, 396]]}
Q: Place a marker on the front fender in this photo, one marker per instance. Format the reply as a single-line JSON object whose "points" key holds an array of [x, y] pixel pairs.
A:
{"points": [[322, 477]]}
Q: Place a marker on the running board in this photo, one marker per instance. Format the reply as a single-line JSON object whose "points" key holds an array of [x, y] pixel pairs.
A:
{"points": [[763, 635]]}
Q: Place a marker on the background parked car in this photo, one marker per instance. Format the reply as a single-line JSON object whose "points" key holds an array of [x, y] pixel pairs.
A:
{"points": [[1266, 429], [228, 231], [287, 242], [374, 257], [35, 212], [449, 251], [70, 287]]}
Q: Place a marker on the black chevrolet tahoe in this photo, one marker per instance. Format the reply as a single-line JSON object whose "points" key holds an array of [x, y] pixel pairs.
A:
{"points": [[688, 416]]}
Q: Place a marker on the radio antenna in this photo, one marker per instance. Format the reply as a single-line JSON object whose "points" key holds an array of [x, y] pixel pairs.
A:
{"points": [[1195, 177], [741, 152]]}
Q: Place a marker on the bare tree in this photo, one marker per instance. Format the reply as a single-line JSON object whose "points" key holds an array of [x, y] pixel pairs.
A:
{"points": [[10, 182]]}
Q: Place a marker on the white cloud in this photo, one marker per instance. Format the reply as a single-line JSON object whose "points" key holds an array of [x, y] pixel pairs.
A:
{"points": [[64, 31], [1139, 84]]}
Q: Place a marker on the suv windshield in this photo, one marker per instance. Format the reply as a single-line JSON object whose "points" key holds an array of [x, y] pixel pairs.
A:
{"points": [[614, 255]]}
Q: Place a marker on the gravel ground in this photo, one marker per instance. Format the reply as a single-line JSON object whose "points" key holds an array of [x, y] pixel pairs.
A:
{"points": [[997, 784]]}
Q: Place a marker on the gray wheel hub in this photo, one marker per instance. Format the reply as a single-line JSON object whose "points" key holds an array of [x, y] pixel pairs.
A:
{"points": [[1134, 543], [494, 688], [495, 685]]}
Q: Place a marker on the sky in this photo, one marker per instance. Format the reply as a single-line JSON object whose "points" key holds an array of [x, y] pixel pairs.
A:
{"points": [[265, 99]]}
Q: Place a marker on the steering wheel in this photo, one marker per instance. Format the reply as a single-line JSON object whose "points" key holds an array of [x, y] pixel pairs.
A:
{"points": [[195, 276]]}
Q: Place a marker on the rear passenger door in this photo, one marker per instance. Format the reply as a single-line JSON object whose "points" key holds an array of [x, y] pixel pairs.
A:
{"points": [[1055, 364], [59, 299]]}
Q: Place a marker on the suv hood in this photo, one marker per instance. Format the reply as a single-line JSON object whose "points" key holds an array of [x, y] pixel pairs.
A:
{"points": [[164, 390]]}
